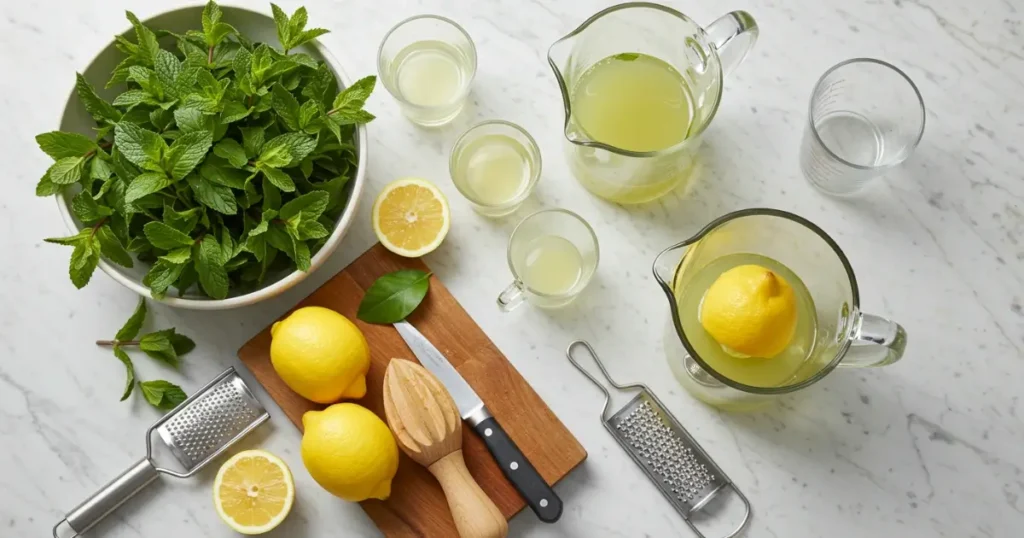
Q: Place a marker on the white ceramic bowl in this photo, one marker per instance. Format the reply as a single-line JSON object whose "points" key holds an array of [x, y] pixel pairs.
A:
{"points": [[259, 28]]}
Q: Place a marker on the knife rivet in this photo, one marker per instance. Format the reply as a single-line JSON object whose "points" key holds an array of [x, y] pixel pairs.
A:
{"points": [[488, 432], [543, 503], [513, 466]]}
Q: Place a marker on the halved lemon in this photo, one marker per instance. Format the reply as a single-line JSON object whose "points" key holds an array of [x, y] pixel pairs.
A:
{"points": [[253, 492], [411, 217]]}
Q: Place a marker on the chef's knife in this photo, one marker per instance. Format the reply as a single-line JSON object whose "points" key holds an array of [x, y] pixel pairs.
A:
{"points": [[527, 481]]}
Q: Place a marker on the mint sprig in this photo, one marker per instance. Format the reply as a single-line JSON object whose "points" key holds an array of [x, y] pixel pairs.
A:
{"points": [[197, 166], [166, 346]]}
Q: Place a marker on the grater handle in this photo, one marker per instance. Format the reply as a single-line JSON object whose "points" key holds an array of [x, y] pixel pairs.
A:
{"points": [[739, 528], [570, 354], [109, 497]]}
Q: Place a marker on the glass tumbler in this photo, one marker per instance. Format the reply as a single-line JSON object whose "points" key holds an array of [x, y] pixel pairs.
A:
{"points": [[495, 165], [553, 254], [427, 64], [865, 117]]}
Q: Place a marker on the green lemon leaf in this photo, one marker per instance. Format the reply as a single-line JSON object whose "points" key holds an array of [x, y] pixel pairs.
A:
{"points": [[392, 297]]}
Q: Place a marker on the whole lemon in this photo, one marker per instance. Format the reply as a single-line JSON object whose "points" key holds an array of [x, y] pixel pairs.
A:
{"points": [[750, 311], [320, 354], [349, 451]]}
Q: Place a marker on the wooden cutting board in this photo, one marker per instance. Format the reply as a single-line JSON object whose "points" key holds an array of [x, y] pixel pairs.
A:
{"points": [[417, 506]]}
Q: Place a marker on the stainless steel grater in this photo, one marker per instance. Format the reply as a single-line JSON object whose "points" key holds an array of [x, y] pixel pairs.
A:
{"points": [[664, 450], [197, 431]]}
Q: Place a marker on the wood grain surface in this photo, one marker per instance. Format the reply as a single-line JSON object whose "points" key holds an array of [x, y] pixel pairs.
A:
{"points": [[417, 507]]}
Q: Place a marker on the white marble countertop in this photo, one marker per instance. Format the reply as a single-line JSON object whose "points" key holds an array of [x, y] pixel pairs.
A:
{"points": [[931, 446]]}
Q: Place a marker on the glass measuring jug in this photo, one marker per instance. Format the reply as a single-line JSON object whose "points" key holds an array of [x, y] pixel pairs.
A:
{"points": [[840, 335], [647, 50]]}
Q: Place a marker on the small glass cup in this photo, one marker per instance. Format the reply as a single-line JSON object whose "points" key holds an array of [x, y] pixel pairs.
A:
{"points": [[553, 255], [499, 193], [866, 116], [427, 63]]}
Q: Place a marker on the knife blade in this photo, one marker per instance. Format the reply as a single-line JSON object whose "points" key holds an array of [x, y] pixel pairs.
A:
{"points": [[517, 469]]}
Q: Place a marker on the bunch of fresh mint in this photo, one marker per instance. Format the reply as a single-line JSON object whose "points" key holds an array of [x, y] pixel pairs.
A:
{"points": [[214, 161]]}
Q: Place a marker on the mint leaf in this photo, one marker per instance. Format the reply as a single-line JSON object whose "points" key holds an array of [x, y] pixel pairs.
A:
{"points": [[129, 384], [147, 43], [192, 119], [235, 111], [111, 247], [131, 328], [162, 276], [252, 140], [182, 344], [286, 106], [158, 345], [146, 184], [268, 215], [143, 148], [307, 36], [99, 168], [45, 187], [392, 297], [178, 256], [302, 255], [214, 31], [71, 240], [99, 109], [84, 259], [217, 171], [287, 150], [66, 171], [188, 151], [165, 237], [311, 229], [162, 394], [209, 263], [183, 221], [626, 56], [59, 145], [355, 96], [271, 196], [231, 150], [133, 98], [281, 22], [311, 205], [217, 197], [87, 210], [278, 178], [167, 69], [260, 63]]}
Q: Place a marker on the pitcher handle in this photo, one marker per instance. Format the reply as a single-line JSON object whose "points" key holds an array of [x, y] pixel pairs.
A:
{"points": [[876, 341], [732, 35]]}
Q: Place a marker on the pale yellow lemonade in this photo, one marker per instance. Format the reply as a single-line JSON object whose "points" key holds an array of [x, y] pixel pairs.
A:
{"points": [[634, 102], [552, 265], [784, 367], [494, 169], [430, 73]]}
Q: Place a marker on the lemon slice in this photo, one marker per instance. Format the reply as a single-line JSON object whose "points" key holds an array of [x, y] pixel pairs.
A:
{"points": [[411, 217], [253, 491]]}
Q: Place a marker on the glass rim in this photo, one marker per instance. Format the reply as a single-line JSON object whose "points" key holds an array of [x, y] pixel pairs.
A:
{"points": [[532, 146], [579, 285], [397, 95], [691, 135], [669, 290], [851, 61]]}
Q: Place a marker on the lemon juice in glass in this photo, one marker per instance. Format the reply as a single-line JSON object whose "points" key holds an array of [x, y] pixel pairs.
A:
{"points": [[764, 303]]}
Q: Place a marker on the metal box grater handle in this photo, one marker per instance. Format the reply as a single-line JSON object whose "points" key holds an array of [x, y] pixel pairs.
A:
{"points": [[670, 457]]}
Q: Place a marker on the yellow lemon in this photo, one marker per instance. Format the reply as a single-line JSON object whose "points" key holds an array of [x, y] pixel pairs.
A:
{"points": [[253, 492], [411, 217], [750, 311], [349, 451], [320, 354]]}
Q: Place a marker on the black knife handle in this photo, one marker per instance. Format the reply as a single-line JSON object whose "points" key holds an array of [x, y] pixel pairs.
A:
{"points": [[520, 472]]}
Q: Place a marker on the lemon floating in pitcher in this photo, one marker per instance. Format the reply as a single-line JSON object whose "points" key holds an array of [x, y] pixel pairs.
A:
{"points": [[320, 355], [253, 492], [349, 451], [750, 311]]}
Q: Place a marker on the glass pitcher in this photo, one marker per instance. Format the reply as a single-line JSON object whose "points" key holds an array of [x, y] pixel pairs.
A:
{"points": [[843, 336], [702, 56]]}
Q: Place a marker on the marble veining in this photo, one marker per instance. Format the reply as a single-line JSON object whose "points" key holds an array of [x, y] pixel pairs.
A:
{"points": [[929, 447]]}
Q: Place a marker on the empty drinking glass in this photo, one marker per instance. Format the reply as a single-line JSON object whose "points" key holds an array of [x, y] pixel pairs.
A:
{"points": [[427, 63], [865, 117]]}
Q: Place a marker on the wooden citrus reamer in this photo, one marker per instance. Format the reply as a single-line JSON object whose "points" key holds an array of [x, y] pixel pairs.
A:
{"points": [[428, 428]]}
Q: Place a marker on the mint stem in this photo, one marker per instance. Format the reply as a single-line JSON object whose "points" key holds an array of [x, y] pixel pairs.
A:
{"points": [[209, 56], [112, 343]]}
